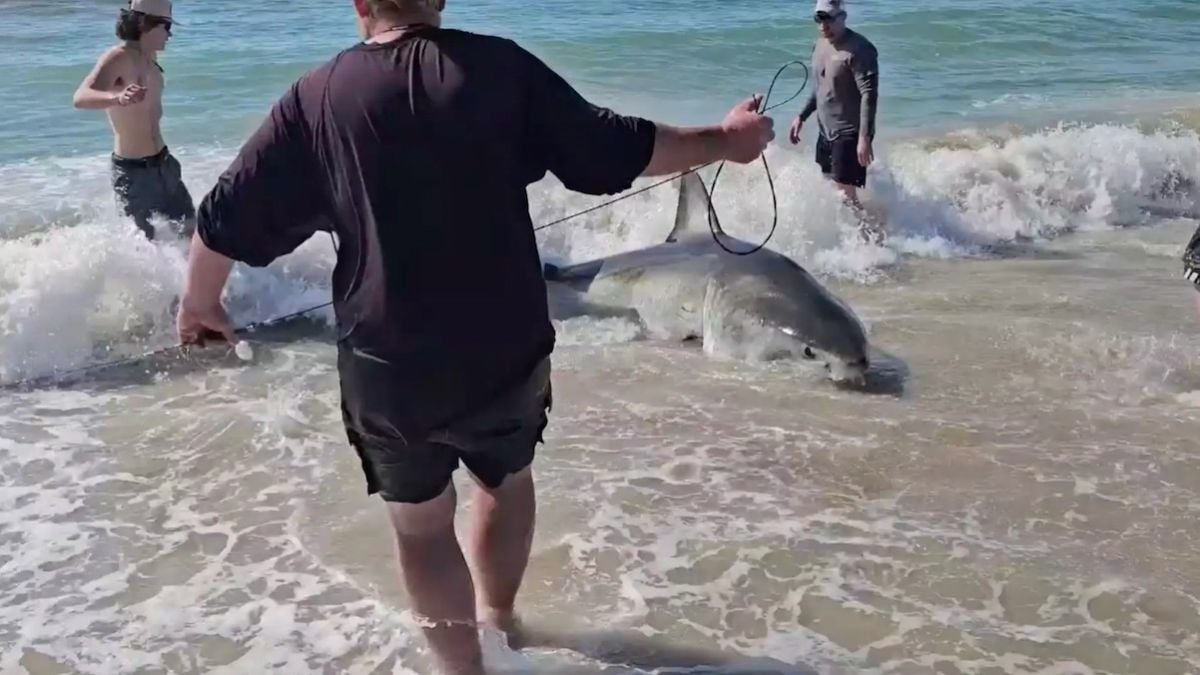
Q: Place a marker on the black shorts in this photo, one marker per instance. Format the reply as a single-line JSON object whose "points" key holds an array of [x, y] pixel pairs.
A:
{"points": [[493, 442], [839, 160], [149, 186]]}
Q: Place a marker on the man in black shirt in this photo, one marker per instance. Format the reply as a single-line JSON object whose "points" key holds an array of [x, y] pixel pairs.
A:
{"points": [[416, 147]]}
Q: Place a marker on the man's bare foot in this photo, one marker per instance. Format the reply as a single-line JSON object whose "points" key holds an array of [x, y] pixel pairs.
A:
{"points": [[505, 622], [872, 233]]}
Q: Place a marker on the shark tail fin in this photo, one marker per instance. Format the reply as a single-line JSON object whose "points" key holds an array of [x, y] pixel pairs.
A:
{"points": [[695, 210]]}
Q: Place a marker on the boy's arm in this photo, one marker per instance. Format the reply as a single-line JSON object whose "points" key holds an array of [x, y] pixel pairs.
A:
{"points": [[99, 88]]}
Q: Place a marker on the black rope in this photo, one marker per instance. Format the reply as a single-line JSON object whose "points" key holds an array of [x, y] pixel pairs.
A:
{"points": [[712, 226]]}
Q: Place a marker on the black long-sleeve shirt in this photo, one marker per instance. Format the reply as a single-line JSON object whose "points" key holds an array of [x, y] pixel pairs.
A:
{"points": [[418, 153]]}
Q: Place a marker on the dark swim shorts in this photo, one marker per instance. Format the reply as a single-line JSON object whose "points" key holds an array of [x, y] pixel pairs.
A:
{"points": [[146, 186], [839, 160], [493, 442]]}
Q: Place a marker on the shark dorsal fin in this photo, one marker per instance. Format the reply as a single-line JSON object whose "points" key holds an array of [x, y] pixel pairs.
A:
{"points": [[694, 210]]}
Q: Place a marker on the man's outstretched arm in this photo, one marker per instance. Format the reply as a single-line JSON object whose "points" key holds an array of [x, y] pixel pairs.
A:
{"points": [[594, 150], [740, 138], [263, 206], [201, 309]]}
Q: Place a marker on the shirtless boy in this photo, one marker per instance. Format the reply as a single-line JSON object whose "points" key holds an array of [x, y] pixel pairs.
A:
{"points": [[127, 83]]}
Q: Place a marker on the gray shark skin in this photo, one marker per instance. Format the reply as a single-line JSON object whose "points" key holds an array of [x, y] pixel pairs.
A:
{"points": [[756, 307]]}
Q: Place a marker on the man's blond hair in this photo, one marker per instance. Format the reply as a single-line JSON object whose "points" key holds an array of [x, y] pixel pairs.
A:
{"points": [[381, 7]]}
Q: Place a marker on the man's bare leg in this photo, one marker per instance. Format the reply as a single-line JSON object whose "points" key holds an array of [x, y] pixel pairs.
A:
{"points": [[849, 193], [437, 578], [870, 231], [501, 538]]}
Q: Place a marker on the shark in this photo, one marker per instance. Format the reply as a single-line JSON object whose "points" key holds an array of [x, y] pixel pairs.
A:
{"points": [[762, 306]]}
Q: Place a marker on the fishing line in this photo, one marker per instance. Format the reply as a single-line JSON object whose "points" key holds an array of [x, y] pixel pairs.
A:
{"points": [[712, 226], [712, 211]]}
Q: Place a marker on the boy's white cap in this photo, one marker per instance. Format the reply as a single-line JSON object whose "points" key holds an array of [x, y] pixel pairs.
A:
{"points": [[830, 6], [159, 8]]}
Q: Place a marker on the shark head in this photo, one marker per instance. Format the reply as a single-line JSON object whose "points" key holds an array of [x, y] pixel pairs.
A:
{"points": [[763, 306], [770, 311]]}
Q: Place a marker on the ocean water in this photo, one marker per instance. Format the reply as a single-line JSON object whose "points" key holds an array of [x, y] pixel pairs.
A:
{"points": [[1016, 493]]}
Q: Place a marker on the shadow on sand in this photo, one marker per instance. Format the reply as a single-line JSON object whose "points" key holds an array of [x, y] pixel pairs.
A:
{"points": [[625, 651]]}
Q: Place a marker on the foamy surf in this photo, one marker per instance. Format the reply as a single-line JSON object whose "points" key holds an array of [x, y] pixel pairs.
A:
{"points": [[1010, 499], [950, 200], [66, 259]]}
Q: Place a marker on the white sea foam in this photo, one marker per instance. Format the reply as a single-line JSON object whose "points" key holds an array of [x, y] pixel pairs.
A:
{"points": [[75, 278]]}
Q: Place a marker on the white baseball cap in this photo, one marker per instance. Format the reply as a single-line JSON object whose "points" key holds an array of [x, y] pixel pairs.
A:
{"points": [[159, 8], [832, 7]]}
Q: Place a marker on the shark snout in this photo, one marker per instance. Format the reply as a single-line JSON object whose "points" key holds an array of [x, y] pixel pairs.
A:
{"points": [[842, 364], [848, 372]]}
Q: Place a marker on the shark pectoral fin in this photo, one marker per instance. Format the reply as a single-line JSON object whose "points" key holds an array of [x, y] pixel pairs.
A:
{"points": [[582, 272], [566, 306]]}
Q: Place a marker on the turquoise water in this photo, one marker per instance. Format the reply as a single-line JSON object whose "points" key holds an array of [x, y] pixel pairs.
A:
{"points": [[944, 62]]}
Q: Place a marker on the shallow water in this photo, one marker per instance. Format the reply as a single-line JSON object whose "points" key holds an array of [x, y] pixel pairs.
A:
{"points": [[1015, 492]]}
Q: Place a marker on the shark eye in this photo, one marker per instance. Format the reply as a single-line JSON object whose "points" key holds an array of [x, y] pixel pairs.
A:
{"points": [[808, 353]]}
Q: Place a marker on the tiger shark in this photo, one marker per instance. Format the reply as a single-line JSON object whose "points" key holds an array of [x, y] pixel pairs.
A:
{"points": [[756, 307]]}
